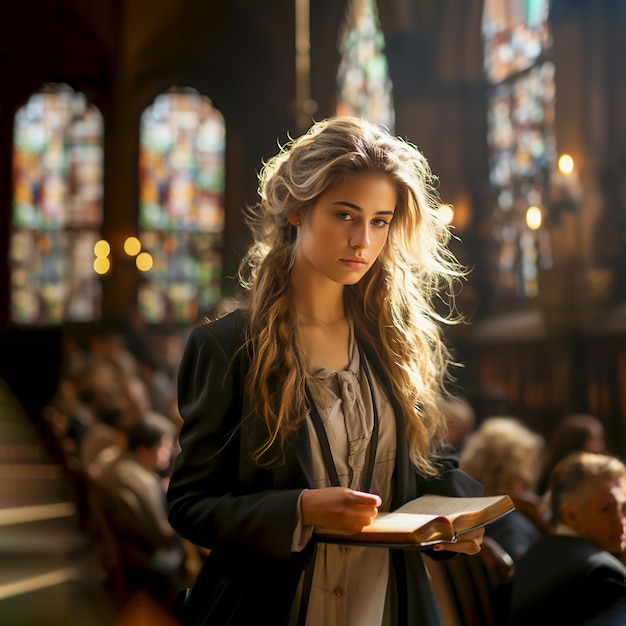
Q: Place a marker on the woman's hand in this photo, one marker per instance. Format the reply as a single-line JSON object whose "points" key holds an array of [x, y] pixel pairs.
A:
{"points": [[339, 508], [468, 543]]}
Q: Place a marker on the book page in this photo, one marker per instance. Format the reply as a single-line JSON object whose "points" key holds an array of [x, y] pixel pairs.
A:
{"points": [[451, 507], [388, 522], [398, 522]]}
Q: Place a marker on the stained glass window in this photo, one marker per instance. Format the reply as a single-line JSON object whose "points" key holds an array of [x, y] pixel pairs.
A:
{"points": [[521, 139], [364, 86], [181, 214], [57, 208]]}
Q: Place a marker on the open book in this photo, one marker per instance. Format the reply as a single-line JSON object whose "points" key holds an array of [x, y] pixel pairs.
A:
{"points": [[425, 521]]}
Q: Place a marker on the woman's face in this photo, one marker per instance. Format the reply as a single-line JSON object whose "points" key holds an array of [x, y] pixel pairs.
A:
{"points": [[346, 229]]}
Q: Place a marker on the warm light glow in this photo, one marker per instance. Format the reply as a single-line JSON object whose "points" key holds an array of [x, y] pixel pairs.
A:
{"points": [[132, 246], [144, 261], [446, 213], [533, 217], [101, 248], [101, 265], [566, 164]]}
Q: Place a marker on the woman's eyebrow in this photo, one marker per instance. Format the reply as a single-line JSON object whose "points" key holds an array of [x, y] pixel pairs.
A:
{"points": [[356, 207]]}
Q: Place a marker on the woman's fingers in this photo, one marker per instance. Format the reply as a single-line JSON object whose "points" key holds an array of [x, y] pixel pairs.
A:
{"points": [[366, 499], [339, 508], [468, 543]]}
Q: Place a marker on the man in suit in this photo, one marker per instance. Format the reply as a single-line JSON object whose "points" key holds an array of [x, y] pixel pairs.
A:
{"points": [[572, 575]]}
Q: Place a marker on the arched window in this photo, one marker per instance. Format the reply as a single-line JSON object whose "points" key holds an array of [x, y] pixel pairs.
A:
{"points": [[521, 141], [364, 86], [57, 208], [181, 211]]}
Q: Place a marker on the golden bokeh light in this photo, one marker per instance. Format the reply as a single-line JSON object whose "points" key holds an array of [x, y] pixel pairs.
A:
{"points": [[101, 265], [566, 164], [144, 261], [101, 248], [533, 217], [132, 246], [446, 213]]}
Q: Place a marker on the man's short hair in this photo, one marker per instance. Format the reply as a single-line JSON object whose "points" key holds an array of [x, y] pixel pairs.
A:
{"points": [[148, 430], [571, 476]]}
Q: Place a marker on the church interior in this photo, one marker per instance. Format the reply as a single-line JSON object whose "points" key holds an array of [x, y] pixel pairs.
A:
{"points": [[133, 131]]}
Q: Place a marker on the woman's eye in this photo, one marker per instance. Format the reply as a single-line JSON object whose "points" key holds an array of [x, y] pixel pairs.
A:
{"points": [[344, 216], [380, 222]]}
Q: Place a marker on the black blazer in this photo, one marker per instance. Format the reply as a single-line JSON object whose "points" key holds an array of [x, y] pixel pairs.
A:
{"points": [[568, 580], [244, 513]]}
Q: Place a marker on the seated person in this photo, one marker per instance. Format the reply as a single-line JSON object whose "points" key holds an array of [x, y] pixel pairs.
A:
{"points": [[460, 420], [68, 417], [504, 455], [576, 432], [572, 576], [103, 439], [133, 496]]}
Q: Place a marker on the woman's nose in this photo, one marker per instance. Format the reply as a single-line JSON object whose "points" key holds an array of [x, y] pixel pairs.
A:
{"points": [[360, 236]]}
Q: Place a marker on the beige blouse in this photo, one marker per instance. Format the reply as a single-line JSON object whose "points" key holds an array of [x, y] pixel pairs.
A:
{"points": [[350, 582]]}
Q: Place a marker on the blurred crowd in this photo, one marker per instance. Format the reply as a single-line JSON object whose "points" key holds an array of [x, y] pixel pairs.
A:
{"points": [[115, 422], [565, 542]]}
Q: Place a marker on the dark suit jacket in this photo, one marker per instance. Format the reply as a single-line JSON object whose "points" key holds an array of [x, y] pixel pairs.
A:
{"points": [[513, 532], [568, 580], [244, 513]]}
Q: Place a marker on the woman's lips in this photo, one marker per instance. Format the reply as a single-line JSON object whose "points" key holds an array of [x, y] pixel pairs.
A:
{"points": [[354, 263]]}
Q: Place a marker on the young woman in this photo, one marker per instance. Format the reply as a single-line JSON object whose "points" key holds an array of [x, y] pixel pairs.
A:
{"points": [[319, 402]]}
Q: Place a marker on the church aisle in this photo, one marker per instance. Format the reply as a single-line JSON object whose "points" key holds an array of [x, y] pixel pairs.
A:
{"points": [[49, 574]]}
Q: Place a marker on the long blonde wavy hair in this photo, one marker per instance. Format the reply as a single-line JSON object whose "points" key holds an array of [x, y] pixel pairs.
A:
{"points": [[392, 307]]}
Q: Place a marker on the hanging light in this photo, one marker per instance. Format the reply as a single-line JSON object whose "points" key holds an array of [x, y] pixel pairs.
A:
{"points": [[566, 164], [533, 217], [446, 213]]}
